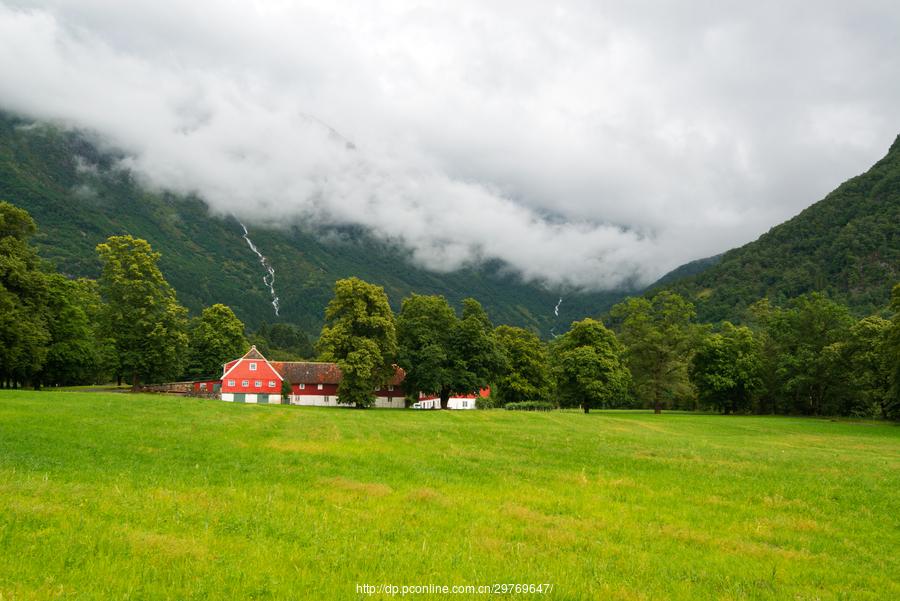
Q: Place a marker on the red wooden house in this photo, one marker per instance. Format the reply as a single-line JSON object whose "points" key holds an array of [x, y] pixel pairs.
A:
{"points": [[251, 379]]}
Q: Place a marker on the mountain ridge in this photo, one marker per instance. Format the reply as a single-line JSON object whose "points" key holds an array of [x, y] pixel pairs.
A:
{"points": [[79, 197]]}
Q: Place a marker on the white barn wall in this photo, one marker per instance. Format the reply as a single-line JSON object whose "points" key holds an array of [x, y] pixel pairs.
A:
{"points": [[319, 400]]}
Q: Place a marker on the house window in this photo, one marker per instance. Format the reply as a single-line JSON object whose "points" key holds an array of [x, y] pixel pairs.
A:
{"points": [[390, 389], [301, 386], [245, 383], [253, 367], [320, 387], [231, 383], [271, 383], [203, 386], [258, 383]]}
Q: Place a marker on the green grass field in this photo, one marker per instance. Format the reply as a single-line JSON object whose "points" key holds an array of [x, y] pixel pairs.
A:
{"points": [[144, 497]]}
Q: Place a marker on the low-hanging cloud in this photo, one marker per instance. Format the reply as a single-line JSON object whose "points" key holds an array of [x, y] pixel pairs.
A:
{"points": [[581, 145]]}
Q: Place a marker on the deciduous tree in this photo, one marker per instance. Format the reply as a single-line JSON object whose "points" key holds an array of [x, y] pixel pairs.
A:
{"points": [[216, 336], [74, 354], [425, 328], [588, 366], [867, 367], [23, 299], [525, 374], [474, 352], [141, 312], [726, 369], [659, 336], [360, 336], [808, 336], [442, 353]]}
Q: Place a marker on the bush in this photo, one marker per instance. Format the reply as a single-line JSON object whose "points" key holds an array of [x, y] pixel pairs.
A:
{"points": [[488, 402], [530, 406]]}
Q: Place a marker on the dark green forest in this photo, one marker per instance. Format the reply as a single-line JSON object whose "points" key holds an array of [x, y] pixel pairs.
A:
{"points": [[79, 197]]}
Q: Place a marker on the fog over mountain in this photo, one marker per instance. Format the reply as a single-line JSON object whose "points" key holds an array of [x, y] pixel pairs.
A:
{"points": [[582, 143]]}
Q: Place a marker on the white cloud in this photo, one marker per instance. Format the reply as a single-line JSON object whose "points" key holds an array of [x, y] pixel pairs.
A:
{"points": [[582, 144]]}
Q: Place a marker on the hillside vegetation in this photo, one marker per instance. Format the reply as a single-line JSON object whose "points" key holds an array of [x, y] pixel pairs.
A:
{"points": [[846, 245], [116, 495], [79, 197]]}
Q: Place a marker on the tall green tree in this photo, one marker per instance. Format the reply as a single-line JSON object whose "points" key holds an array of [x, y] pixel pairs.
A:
{"points": [[525, 375], [74, 354], [475, 354], [867, 368], [360, 336], [425, 328], [588, 367], [659, 336], [24, 291], [141, 312], [726, 369], [808, 336], [442, 353], [216, 337]]}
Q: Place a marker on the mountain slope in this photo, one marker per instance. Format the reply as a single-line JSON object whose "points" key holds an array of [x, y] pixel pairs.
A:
{"points": [[847, 245], [79, 197]]}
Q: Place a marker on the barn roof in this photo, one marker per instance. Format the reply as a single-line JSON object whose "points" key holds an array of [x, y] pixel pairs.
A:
{"points": [[310, 372]]}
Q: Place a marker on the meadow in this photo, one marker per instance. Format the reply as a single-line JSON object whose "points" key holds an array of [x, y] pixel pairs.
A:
{"points": [[112, 495]]}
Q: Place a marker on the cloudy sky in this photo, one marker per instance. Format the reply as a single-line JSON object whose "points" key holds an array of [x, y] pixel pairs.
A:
{"points": [[582, 143]]}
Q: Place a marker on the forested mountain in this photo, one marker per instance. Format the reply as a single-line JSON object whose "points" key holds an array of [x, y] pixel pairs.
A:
{"points": [[79, 197], [846, 245]]}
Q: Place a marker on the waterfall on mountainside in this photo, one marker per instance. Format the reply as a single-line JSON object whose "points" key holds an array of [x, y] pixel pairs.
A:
{"points": [[269, 278], [556, 313]]}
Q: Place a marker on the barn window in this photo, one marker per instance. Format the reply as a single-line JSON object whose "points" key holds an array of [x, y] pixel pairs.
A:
{"points": [[231, 382], [202, 385], [320, 387], [245, 383], [301, 386], [391, 388], [253, 367], [271, 383], [258, 383]]}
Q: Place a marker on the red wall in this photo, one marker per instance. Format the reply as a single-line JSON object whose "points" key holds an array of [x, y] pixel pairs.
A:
{"points": [[241, 372], [313, 389], [210, 386]]}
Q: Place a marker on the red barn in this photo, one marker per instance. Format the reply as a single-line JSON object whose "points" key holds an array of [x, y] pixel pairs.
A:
{"points": [[251, 379]]}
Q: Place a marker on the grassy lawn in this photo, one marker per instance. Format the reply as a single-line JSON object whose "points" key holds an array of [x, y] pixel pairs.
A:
{"points": [[112, 495]]}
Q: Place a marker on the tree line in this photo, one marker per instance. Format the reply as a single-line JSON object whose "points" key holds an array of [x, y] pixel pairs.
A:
{"points": [[126, 325], [809, 357]]}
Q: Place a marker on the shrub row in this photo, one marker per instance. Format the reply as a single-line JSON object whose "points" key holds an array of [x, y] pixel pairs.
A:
{"points": [[530, 406]]}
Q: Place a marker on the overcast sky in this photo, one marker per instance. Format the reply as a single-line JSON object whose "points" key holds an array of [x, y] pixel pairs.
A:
{"points": [[583, 143]]}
